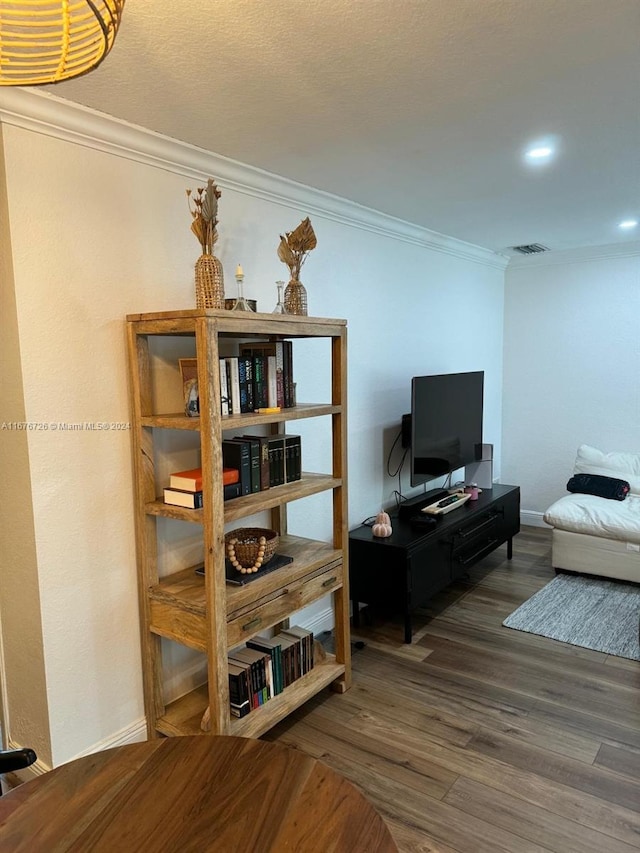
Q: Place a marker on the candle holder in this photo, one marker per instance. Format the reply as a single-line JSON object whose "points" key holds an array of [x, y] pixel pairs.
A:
{"points": [[241, 302], [279, 309]]}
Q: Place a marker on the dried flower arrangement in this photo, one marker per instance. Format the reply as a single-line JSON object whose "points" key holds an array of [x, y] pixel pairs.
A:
{"points": [[295, 246], [204, 213], [209, 272]]}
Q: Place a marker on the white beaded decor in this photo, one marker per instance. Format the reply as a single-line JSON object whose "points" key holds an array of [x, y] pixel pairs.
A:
{"points": [[249, 548], [231, 553]]}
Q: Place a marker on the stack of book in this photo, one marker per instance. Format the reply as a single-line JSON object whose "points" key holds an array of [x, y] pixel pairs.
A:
{"points": [[263, 460], [266, 666], [185, 487], [260, 377]]}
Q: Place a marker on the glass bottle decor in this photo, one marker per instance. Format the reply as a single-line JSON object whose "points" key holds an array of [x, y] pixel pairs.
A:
{"points": [[279, 309], [241, 302], [295, 298], [209, 282]]}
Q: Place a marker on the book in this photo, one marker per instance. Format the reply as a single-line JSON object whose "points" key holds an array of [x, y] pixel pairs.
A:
{"points": [[258, 663], [232, 490], [236, 578], [296, 651], [245, 681], [191, 481], [187, 481], [190, 500], [263, 668], [306, 640], [227, 370], [234, 384], [264, 458], [275, 349], [272, 382], [292, 455], [238, 690], [225, 401], [260, 384], [273, 648], [193, 500], [255, 454], [276, 460], [239, 710], [237, 454], [287, 373], [245, 381], [287, 645]]}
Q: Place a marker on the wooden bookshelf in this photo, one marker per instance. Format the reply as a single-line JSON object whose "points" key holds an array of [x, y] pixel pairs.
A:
{"points": [[206, 613]]}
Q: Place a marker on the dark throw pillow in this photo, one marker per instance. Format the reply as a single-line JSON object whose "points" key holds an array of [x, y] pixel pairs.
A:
{"points": [[596, 484]]}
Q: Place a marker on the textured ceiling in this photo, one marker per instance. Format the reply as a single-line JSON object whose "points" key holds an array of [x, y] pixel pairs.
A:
{"points": [[417, 108]]}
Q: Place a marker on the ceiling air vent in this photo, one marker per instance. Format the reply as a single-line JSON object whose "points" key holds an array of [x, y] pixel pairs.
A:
{"points": [[530, 249]]}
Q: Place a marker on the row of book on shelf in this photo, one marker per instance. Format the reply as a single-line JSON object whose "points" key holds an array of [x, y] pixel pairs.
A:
{"points": [[251, 464], [266, 666], [260, 377]]}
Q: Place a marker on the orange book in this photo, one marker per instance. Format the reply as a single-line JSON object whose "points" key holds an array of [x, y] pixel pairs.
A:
{"points": [[229, 476], [191, 481]]}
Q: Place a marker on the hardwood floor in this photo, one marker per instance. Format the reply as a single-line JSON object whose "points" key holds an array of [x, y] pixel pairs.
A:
{"points": [[479, 738]]}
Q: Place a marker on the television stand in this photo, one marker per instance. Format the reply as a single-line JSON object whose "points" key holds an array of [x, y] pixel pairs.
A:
{"points": [[413, 506], [409, 567]]}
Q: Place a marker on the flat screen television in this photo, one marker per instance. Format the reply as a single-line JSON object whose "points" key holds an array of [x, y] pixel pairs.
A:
{"points": [[446, 423]]}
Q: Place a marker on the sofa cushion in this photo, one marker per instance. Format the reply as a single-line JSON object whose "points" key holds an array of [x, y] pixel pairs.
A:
{"points": [[597, 516], [624, 466]]}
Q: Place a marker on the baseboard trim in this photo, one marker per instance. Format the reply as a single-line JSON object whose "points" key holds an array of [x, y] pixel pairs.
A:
{"points": [[38, 768], [532, 518], [322, 621], [135, 733]]}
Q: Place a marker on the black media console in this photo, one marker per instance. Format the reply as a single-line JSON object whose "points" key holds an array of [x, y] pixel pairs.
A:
{"points": [[404, 570]]}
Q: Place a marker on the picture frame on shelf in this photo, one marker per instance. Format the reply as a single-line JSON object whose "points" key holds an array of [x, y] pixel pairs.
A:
{"points": [[190, 396], [188, 369]]}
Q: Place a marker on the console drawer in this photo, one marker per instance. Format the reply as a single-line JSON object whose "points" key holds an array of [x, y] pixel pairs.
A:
{"points": [[466, 537], [244, 624]]}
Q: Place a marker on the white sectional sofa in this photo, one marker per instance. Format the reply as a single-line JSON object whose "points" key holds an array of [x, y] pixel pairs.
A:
{"points": [[595, 535]]}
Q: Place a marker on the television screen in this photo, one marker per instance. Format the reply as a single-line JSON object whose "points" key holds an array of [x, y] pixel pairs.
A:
{"points": [[446, 423]]}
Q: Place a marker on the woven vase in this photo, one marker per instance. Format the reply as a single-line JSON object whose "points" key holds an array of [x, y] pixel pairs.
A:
{"points": [[209, 282], [295, 298]]}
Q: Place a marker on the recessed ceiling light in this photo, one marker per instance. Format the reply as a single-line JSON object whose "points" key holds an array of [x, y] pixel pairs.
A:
{"points": [[540, 152], [628, 223]]}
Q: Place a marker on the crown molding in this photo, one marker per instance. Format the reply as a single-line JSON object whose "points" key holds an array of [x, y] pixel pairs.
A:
{"points": [[612, 251], [41, 112]]}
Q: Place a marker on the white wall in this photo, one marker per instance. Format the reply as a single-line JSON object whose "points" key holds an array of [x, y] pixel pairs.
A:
{"points": [[99, 230], [571, 365], [21, 642]]}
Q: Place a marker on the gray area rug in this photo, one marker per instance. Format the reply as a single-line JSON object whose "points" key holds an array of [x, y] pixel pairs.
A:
{"points": [[584, 611]]}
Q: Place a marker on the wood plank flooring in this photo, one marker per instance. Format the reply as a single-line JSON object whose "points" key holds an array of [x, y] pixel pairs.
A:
{"points": [[479, 738]]}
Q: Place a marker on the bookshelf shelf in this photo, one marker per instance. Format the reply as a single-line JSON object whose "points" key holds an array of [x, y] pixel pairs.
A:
{"points": [[182, 717], [310, 484], [206, 613], [180, 421]]}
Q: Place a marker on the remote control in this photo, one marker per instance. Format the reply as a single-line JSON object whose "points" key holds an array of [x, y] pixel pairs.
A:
{"points": [[422, 521], [450, 500]]}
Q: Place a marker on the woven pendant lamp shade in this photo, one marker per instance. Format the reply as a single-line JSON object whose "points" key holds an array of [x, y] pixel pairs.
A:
{"points": [[46, 41]]}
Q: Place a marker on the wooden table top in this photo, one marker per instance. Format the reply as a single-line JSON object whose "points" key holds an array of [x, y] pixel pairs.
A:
{"points": [[192, 794]]}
